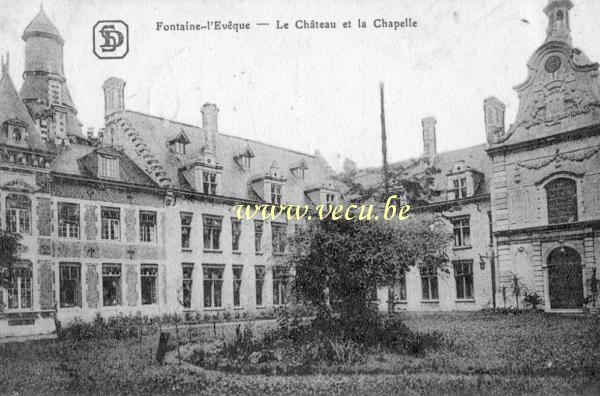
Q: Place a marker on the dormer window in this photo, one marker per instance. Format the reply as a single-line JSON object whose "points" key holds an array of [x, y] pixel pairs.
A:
{"points": [[459, 189], [276, 193], [108, 167], [209, 183], [179, 143], [14, 130], [329, 199], [179, 147], [298, 173], [298, 169], [244, 159]]}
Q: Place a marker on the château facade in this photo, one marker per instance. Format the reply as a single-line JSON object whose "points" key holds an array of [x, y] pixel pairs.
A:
{"points": [[138, 218]]}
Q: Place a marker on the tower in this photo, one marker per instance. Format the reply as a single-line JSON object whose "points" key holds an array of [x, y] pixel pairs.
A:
{"points": [[559, 28], [44, 89]]}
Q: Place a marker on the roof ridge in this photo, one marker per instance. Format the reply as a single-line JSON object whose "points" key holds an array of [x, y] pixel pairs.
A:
{"points": [[222, 134]]}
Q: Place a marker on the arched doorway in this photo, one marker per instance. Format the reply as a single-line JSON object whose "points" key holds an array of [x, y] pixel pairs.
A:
{"points": [[565, 281]]}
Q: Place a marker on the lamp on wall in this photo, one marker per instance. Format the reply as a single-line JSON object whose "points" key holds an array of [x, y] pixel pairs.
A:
{"points": [[482, 259]]}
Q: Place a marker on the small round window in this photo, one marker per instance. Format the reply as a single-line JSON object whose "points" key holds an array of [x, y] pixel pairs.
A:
{"points": [[553, 63]]}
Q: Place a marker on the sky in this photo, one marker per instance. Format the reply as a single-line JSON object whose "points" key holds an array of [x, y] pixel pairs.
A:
{"points": [[309, 90]]}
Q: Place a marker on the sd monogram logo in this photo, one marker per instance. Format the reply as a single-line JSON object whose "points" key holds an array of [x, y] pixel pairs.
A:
{"points": [[111, 39]]}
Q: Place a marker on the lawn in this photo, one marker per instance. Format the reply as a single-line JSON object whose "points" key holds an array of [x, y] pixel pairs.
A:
{"points": [[490, 354]]}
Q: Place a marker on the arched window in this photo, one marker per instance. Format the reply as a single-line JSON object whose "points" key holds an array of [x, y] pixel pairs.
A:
{"points": [[561, 199], [18, 214]]}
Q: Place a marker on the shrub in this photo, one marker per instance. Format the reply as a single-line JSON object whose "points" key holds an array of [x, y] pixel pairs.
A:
{"points": [[533, 299]]}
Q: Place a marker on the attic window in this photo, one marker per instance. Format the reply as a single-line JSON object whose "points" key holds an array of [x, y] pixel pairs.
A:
{"points": [[108, 167], [14, 130], [298, 172], [178, 147], [245, 161]]}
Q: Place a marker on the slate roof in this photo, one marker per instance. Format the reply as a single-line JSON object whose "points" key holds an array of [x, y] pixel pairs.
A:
{"points": [[155, 132], [475, 158], [41, 24], [12, 107]]}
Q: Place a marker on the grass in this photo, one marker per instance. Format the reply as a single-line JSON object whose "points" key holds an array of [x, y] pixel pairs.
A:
{"points": [[491, 354]]}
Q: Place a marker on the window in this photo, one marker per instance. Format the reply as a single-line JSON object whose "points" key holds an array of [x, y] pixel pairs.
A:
{"points": [[20, 289], [148, 273], [459, 189], [237, 285], [68, 220], [280, 285], [245, 161], [70, 285], [111, 223], [147, 226], [259, 273], [18, 214], [258, 233], [275, 193], [429, 283], [186, 229], [278, 235], [179, 147], [55, 92], [236, 232], [400, 287], [462, 232], [108, 167], [213, 281], [111, 285], [298, 172], [561, 198], [463, 274], [212, 232], [188, 270], [329, 199], [209, 183]]}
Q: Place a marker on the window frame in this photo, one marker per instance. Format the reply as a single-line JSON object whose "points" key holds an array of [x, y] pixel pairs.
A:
{"points": [[148, 230], [237, 272], [554, 219], [18, 219], [212, 288], [212, 227], [279, 238], [110, 224], [280, 285], [19, 284], [459, 187], [108, 167], [461, 231], [69, 228], [149, 273], [77, 293], [186, 229], [118, 287], [429, 277], [187, 285], [276, 193], [259, 230], [236, 235], [463, 278], [259, 285], [209, 182]]}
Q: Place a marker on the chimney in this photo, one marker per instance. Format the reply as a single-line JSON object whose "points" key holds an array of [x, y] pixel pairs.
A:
{"points": [[209, 124], [114, 96], [494, 118], [429, 139]]}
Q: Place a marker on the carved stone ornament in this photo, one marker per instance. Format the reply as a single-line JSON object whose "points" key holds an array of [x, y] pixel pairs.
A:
{"points": [[558, 157]]}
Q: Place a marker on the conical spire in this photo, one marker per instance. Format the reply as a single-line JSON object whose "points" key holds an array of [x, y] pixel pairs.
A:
{"points": [[42, 26], [559, 28]]}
